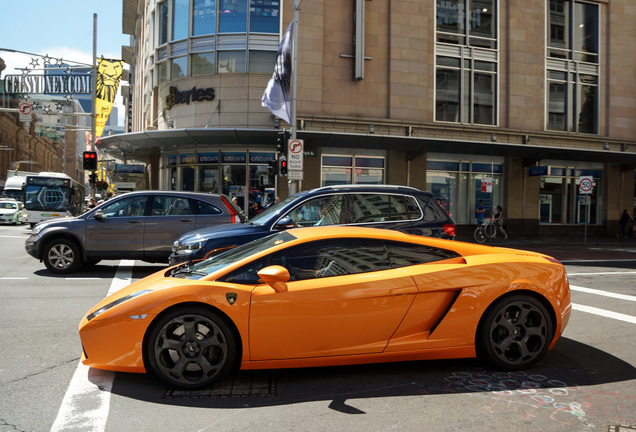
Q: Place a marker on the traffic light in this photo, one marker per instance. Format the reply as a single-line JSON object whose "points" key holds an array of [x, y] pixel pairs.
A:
{"points": [[274, 167], [281, 141], [283, 166], [92, 178], [90, 160]]}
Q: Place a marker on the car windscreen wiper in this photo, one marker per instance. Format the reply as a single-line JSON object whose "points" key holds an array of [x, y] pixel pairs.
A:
{"points": [[185, 270]]}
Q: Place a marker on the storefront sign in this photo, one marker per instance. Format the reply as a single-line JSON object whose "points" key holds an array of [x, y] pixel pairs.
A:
{"points": [[187, 159], [176, 97], [535, 171], [233, 157], [261, 158], [130, 169], [172, 160], [209, 158], [486, 185]]}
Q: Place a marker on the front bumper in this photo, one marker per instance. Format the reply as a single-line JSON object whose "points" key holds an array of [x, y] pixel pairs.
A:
{"points": [[32, 246]]}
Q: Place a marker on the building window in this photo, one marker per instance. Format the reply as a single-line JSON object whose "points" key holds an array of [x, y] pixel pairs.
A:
{"points": [[572, 67], [466, 62], [231, 62], [179, 67], [203, 17], [233, 16], [203, 64], [481, 16], [560, 201], [264, 16], [163, 23], [180, 18], [346, 169]]}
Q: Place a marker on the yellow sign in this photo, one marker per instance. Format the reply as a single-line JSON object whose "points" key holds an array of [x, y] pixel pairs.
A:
{"points": [[108, 76]]}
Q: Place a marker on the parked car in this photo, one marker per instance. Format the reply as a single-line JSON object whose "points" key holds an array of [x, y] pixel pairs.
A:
{"points": [[331, 296], [10, 211], [137, 225], [399, 208]]}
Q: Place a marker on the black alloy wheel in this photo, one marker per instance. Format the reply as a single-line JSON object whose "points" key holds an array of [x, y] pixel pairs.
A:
{"points": [[191, 348], [515, 332], [62, 256]]}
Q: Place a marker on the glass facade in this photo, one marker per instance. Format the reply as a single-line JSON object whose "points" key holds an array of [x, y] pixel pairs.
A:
{"points": [[573, 66], [352, 169], [466, 62], [203, 37]]}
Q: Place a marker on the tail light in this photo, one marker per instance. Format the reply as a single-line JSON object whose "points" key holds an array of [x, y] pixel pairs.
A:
{"points": [[233, 212], [449, 229]]}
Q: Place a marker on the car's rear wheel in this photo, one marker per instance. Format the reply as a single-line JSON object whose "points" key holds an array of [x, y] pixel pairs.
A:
{"points": [[62, 256], [515, 332], [191, 348]]}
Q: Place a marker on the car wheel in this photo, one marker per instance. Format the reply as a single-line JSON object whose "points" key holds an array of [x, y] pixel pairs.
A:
{"points": [[515, 332], [191, 348], [62, 256]]}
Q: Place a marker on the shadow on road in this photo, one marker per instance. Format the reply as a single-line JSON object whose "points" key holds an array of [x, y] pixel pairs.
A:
{"points": [[571, 365]]}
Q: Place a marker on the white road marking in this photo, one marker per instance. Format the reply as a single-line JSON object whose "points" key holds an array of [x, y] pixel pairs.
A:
{"points": [[602, 273], [13, 278], [605, 313], [20, 237], [603, 293], [87, 400]]}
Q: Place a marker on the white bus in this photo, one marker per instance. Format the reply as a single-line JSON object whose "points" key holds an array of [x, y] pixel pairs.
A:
{"points": [[50, 195]]}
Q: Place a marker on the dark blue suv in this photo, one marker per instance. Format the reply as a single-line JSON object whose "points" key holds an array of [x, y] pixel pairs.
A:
{"points": [[400, 208]]}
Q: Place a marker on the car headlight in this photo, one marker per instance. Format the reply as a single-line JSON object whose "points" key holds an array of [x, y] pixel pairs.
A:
{"points": [[117, 302], [188, 248], [37, 229]]}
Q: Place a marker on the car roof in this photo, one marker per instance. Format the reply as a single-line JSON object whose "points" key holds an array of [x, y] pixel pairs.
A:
{"points": [[200, 195], [369, 188]]}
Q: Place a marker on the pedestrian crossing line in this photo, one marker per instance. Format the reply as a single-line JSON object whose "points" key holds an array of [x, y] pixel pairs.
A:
{"points": [[87, 400], [602, 273], [13, 278], [605, 313], [603, 293]]}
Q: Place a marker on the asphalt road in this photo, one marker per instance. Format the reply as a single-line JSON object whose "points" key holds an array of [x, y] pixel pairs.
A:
{"points": [[586, 383]]}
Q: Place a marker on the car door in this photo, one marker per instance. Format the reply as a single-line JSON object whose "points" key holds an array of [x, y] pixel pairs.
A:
{"points": [[169, 218], [342, 299], [381, 210], [120, 231]]}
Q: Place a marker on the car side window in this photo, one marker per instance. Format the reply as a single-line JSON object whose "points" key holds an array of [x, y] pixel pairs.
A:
{"points": [[167, 205], [408, 254], [381, 208], [207, 208], [328, 258], [433, 212], [128, 206], [325, 210]]}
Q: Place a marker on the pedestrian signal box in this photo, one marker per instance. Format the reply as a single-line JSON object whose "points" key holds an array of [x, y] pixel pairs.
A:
{"points": [[90, 161]]}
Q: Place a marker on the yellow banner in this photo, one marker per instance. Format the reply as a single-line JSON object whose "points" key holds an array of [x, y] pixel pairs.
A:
{"points": [[108, 77]]}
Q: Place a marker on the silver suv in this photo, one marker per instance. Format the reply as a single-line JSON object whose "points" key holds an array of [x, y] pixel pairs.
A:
{"points": [[139, 225]]}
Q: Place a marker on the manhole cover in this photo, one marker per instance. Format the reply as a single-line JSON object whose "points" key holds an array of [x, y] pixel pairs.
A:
{"points": [[241, 385]]}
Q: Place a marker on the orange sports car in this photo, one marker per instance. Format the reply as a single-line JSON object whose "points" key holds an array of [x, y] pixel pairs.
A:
{"points": [[326, 296]]}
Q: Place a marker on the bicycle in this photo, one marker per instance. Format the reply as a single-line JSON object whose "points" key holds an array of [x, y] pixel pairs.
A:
{"points": [[487, 231]]}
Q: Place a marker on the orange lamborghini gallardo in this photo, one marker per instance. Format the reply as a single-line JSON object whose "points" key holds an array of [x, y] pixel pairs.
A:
{"points": [[331, 296]]}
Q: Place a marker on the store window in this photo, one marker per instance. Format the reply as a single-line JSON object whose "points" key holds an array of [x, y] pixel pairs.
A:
{"points": [[458, 187], [344, 169], [572, 66], [560, 201]]}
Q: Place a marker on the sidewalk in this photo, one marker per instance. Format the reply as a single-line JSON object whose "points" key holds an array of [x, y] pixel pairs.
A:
{"points": [[565, 248]]}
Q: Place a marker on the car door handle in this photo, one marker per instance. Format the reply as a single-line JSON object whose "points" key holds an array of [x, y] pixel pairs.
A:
{"points": [[403, 291], [185, 220], [135, 221]]}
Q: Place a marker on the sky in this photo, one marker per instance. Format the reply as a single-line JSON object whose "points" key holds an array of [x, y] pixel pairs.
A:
{"points": [[61, 28]]}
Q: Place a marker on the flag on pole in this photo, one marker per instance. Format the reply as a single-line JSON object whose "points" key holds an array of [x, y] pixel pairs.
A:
{"points": [[109, 74], [277, 96]]}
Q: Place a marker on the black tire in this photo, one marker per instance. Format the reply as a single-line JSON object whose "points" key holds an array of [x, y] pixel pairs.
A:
{"points": [[191, 348], [515, 332], [92, 262], [62, 256]]}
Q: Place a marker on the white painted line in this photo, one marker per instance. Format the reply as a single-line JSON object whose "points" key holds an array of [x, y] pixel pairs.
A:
{"points": [[87, 400], [597, 260], [602, 273], [13, 278], [84, 278], [603, 293], [605, 313], [12, 237]]}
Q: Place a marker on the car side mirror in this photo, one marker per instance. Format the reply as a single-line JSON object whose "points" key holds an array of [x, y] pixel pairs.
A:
{"points": [[98, 215], [285, 224], [276, 277]]}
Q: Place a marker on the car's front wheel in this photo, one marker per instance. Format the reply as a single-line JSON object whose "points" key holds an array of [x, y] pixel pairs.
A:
{"points": [[62, 256], [515, 332], [191, 348]]}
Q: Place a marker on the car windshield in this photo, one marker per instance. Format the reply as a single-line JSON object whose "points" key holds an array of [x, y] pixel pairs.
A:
{"points": [[264, 216], [218, 262], [6, 205]]}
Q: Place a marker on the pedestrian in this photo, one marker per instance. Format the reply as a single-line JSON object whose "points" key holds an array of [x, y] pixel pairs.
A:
{"points": [[625, 219], [480, 210], [91, 203], [499, 221]]}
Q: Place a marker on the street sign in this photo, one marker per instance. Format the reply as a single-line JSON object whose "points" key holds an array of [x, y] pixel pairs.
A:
{"points": [[295, 154], [25, 108], [586, 185], [294, 175]]}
